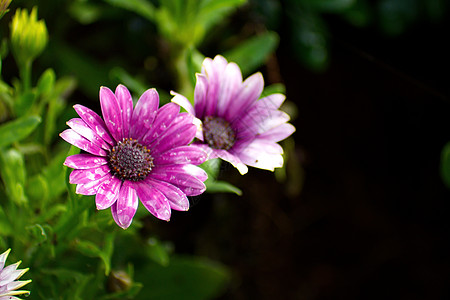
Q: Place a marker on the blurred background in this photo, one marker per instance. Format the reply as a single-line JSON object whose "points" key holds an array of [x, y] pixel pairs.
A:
{"points": [[360, 210]]}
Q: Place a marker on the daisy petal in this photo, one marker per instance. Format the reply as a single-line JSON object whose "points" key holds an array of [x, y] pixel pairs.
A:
{"points": [[91, 187], [80, 127], [201, 88], [248, 94], [179, 176], [126, 205], [177, 199], [182, 155], [278, 133], [232, 159], [183, 102], [230, 84], [95, 122], [3, 258], [111, 113], [77, 140], [262, 154], [153, 200], [181, 137], [108, 193], [84, 176], [84, 161], [144, 114], [125, 101], [165, 116], [272, 101]]}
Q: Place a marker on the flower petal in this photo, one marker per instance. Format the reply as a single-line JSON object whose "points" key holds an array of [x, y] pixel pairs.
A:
{"points": [[91, 187], [232, 159], [248, 94], [3, 258], [95, 122], [259, 121], [107, 193], [165, 116], [179, 176], [153, 200], [84, 176], [125, 101], [278, 133], [177, 199], [11, 273], [144, 114], [80, 127], [183, 102], [84, 161], [200, 99], [77, 140], [111, 113], [181, 137], [272, 101], [181, 155], [126, 205], [230, 84], [262, 154]]}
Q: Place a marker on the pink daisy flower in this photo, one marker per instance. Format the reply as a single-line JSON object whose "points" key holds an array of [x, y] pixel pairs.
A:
{"points": [[8, 279], [232, 123], [139, 153]]}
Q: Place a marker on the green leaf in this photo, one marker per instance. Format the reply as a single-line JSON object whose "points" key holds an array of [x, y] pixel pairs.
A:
{"points": [[90, 249], [37, 190], [222, 187], [46, 82], [212, 12], [5, 225], [310, 40], [40, 233], [329, 5], [445, 164], [188, 278], [18, 129], [158, 252], [276, 88], [12, 170], [135, 85], [141, 7], [24, 103], [253, 53], [194, 60]]}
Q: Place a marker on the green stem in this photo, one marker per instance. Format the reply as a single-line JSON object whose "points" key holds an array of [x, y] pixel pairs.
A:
{"points": [[25, 74]]}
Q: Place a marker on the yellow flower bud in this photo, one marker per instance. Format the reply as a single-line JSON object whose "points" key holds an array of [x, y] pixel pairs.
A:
{"points": [[28, 35]]}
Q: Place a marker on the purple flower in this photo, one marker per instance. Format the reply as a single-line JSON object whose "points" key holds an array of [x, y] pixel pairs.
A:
{"points": [[8, 276], [135, 153], [232, 123]]}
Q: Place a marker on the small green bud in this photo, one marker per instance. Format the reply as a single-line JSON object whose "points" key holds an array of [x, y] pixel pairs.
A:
{"points": [[4, 4], [28, 35]]}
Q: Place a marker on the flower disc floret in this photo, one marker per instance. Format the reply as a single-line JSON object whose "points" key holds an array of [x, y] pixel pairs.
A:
{"points": [[129, 160], [218, 133]]}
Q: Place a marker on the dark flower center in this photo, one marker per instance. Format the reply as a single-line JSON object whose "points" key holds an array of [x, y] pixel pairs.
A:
{"points": [[129, 160], [218, 133]]}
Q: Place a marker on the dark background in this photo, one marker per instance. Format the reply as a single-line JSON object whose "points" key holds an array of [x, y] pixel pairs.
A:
{"points": [[371, 220]]}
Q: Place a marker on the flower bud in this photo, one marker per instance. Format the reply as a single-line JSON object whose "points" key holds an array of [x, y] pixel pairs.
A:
{"points": [[4, 7], [28, 35]]}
